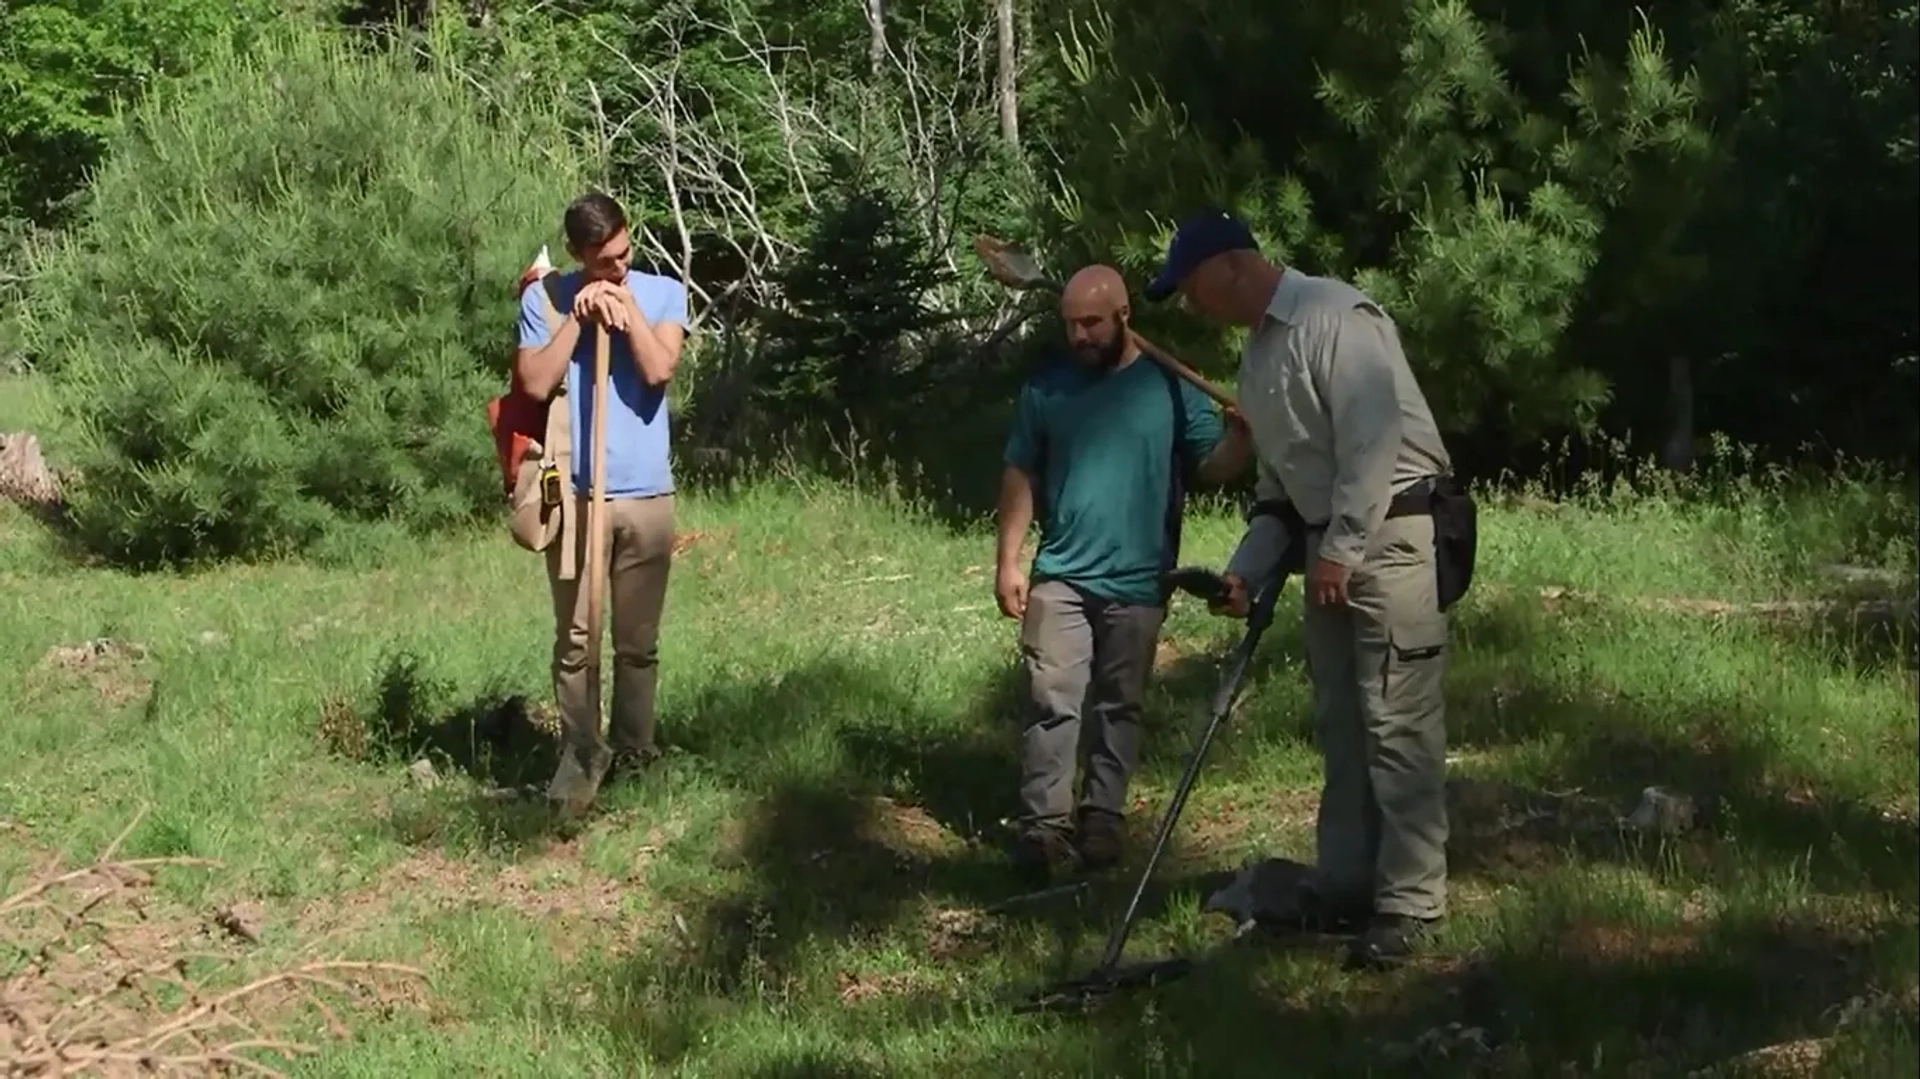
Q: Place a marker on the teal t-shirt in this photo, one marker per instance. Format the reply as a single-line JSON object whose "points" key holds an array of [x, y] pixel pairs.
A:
{"points": [[1100, 445]]}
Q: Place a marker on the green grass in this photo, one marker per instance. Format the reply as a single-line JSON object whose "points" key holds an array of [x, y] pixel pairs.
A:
{"points": [[796, 890]]}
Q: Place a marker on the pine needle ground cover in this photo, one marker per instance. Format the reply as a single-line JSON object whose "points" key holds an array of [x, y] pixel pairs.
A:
{"points": [[799, 887]]}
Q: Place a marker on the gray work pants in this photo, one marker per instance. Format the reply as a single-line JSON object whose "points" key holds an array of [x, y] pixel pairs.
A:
{"points": [[1378, 666], [1081, 651]]}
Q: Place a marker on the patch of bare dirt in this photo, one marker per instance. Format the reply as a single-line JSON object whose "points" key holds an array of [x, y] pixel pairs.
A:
{"points": [[114, 669], [956, 932], [856, 988], [244, 920], [1607, 945], [1818, 952], [687, 541], [1789, 1060], [1222, 825], [1166, 654], [557, 891], [907, 830]]}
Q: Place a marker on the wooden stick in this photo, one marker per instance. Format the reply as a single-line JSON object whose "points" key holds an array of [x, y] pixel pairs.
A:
{"points": [[1166, 360], [597, 514]]}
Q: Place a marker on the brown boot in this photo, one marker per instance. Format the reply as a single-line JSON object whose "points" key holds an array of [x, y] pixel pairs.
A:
{"points": [[1043, 854], [576, 782], [1100, 838]]}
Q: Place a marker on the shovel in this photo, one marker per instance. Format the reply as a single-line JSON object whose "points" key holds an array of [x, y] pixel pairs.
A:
{"points": [[597, 512], [1013, 267], [578, 780]]}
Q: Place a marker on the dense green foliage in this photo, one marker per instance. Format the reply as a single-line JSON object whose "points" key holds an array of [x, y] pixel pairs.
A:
{"points": [[288, 300], [63, 65], [1669, 223]]}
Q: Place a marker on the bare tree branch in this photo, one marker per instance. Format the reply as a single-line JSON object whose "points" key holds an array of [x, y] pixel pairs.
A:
{"points": [[731, 167], [65, 1012]]}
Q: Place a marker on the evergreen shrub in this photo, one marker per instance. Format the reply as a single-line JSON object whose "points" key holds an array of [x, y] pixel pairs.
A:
{"points": [[291, 297]]}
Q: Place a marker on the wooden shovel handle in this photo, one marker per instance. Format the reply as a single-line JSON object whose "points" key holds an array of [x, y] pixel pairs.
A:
{"points": [[1166, 359], [597, 511]]}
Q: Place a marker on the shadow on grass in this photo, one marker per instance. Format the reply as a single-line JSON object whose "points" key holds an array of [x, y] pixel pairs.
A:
{"points": [[497, 737], [870, 842], [868, 831], [1872, 633], [1566, 984], [1600, 748], [872, 817]]}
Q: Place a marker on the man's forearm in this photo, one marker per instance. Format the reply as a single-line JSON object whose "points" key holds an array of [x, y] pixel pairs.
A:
{"points": [[1015, 516], [1362, 488], [1230, 458], [1256, 561], [650, 354], [541, 370]]}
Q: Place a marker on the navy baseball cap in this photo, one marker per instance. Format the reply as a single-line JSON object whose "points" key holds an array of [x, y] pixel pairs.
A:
{"points": [[1196, 240]]}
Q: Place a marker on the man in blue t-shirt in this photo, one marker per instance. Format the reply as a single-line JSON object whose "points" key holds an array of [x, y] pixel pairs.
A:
{"points": [[646, 316], [1101, 450]]}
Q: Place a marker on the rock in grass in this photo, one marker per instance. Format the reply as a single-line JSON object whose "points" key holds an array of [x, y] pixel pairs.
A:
{"points": [[1662, 812], [24, 475], [421, 774]]}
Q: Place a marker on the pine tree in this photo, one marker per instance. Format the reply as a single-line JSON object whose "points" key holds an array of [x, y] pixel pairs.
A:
{"points": [[306, 254]]}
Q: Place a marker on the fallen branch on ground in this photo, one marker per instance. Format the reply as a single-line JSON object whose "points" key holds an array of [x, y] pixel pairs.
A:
{"points": [[1785, 608], [94, 996]]}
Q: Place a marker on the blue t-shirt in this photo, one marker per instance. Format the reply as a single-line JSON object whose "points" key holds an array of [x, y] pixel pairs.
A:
{"points": [[1100, 446], [637, 444]]}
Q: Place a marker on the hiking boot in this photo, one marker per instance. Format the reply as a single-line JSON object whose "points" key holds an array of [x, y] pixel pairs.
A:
{"points": [[1311, 913], [630, 764], [1389, 940], [1100, 838], [1042, 854], [577, 779]]}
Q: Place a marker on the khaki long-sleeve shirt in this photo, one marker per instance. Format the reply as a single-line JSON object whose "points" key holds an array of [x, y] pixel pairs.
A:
{"points": [[1339, 423]]}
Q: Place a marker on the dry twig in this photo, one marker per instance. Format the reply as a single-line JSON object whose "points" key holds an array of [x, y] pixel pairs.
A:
{"points": [[89, 996], [717, 190]]}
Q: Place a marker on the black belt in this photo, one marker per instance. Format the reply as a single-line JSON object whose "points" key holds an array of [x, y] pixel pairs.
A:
{"points": [[1415, 501]]}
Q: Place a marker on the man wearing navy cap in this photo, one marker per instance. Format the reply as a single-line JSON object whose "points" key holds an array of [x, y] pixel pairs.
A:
{"points": [[1348, 452]]}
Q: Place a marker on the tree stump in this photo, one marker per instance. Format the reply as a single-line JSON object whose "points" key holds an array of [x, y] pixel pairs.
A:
{"points": [[24, 475]]}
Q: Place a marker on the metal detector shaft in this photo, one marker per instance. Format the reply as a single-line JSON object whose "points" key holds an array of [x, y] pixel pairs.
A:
{"points": [[1259, 617]]}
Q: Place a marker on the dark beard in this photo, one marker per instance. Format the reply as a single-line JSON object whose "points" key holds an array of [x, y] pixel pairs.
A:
{"points": [[1106, 357]]}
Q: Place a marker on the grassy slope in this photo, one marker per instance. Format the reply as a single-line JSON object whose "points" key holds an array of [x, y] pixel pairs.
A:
{"points": [[796, 890]]}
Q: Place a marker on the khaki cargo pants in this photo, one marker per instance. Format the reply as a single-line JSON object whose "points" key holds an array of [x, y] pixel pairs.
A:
{"points": [[1378, 666], [639, 557]]}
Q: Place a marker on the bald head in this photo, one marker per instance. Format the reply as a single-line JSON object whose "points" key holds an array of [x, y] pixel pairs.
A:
{"points": [[1095, 288], [1094, 306]]}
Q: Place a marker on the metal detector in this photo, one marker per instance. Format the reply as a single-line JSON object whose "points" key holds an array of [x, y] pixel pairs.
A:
{"points": [[1110, 976]]}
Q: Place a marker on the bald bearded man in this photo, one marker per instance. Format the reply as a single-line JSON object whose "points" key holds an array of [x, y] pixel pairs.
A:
{"points": [[1102, 448]]}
